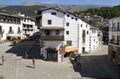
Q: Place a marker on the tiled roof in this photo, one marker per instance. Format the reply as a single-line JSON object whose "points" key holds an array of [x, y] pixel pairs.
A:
{"points": [[56, 8], [15, 15]]}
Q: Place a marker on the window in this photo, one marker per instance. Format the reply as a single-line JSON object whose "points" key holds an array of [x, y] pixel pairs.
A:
{"points": [[47, 32], [0, 28], [83, 36], [67, 24], [68, 15], [81, 25], [87, 32], [49, 22], [113, 37], [113, 27], [67, 32], [57, 32], [93, 31], [10, 30], [76, 19], [24, 20], [72, 17], [69, 43], [118, 40], [18, 29], [54, 13], [118, 26]]}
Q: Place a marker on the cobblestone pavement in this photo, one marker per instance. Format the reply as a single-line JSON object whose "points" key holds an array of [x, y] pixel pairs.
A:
{"points": [[94, 66]]}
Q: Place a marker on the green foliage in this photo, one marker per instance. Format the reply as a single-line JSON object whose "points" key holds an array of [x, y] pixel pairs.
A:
{"points": [[27, 10], [92, 22], [105, 12]]}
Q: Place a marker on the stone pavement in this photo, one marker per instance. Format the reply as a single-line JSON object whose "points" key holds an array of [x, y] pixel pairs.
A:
{"points": [[94, 66], [17, 68]]}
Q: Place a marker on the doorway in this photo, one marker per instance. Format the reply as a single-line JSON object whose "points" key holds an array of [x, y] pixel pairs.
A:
{"points": [[52, 54]]}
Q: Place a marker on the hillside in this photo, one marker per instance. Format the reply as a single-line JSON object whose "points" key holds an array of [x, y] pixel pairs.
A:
{"points": [[105, 12], [29, 8]]}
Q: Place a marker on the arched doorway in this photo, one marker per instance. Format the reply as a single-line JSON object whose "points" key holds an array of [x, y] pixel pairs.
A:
{"points": [[52, 54]]}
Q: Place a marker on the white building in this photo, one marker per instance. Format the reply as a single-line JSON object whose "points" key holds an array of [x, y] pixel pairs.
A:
{"points": [[16, 26], [114, 41], [60, 28]]}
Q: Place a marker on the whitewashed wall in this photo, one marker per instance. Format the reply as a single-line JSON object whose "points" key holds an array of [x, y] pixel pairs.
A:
{"points": [[5, 27], [57, 20]]}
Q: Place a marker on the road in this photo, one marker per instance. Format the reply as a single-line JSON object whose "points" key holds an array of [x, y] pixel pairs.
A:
{"points": [[94, 66]]}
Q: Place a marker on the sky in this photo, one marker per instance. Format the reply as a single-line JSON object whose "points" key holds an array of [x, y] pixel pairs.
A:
{"points": [[81, 2]]}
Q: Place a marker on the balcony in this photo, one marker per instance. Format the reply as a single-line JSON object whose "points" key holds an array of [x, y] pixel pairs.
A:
{"points": [[114, 29], [19, 32], [116, 42], [11, 32], [52, 38]]}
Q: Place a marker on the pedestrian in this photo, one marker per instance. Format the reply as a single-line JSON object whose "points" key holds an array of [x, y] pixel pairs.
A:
{"points": [[33, 62], [3, 60]]}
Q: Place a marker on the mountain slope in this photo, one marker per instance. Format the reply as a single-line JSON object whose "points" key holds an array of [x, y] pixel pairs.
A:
{"points": [[29, 8]]}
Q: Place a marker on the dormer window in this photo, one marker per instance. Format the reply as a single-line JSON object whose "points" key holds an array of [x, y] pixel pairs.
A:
{"points": [[76, 19], [54, 13], [68, 15], [72, 17]]}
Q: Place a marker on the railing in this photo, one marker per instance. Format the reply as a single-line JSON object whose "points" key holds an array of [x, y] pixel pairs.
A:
{"points": [[114, 29], [19, 32], [11, 32], [116, 42], [58, 38]]}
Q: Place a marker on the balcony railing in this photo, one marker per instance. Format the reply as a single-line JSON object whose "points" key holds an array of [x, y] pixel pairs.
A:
{"points": [[114, 29], [11, 32], [52, 38], [19, 32], [116, 42]]}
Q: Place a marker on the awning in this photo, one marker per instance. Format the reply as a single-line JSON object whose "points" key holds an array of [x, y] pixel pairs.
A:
{"points": [[70, 49], [13, 35]]}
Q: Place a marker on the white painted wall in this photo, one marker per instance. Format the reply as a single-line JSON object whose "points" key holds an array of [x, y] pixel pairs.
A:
{"points": [[74, 28], [5, 27], [114, 33], [51, 44], [57, 20]]}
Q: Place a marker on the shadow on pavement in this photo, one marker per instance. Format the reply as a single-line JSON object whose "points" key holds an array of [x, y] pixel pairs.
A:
{"points": [[31, 48], [96, 67], [29, 66], [1, 77]]}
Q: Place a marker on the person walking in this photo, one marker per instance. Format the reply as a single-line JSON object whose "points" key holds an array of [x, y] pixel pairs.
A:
{"points": [[33, 62], [3, 59]]}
